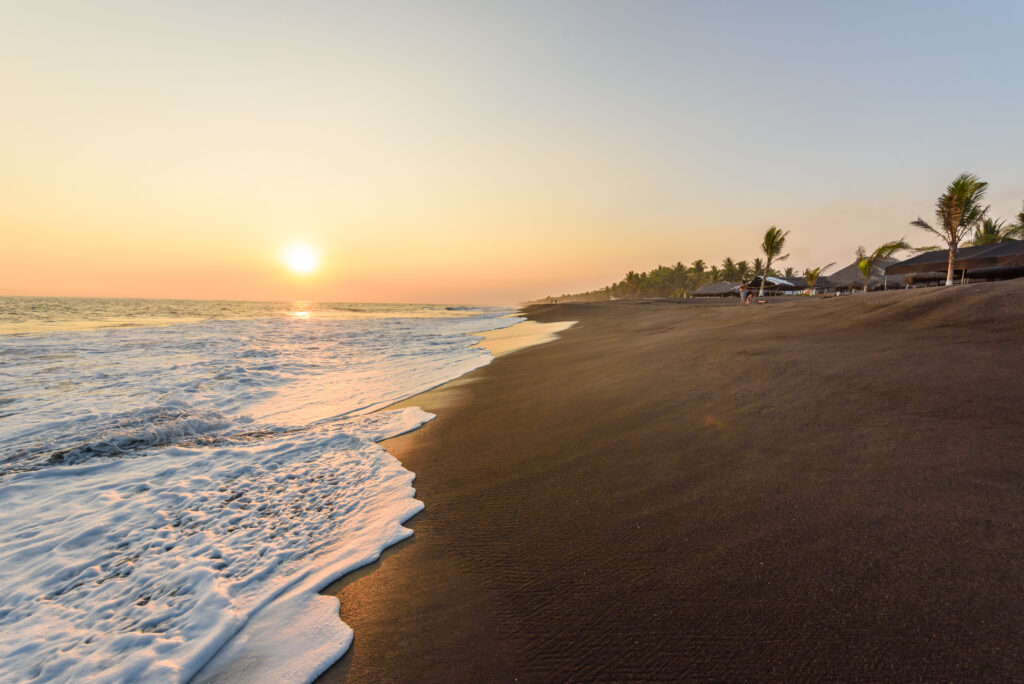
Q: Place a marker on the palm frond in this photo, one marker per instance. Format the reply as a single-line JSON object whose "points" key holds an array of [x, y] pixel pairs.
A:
{"points": [[921, 223], [890, 248]]}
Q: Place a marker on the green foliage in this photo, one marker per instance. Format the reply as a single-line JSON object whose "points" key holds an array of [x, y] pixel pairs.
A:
{"points": [[990, 232], [772, 246], [729, 270], [957, 210], [812, 274], [668, 281], [1016, 232], [867, 261]]}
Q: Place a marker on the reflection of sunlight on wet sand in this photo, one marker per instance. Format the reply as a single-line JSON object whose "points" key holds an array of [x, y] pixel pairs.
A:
{"points": [[521, 335]]}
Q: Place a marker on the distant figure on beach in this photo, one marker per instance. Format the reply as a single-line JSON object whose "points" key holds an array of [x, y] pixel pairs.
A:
{"points": [[743, 291]]}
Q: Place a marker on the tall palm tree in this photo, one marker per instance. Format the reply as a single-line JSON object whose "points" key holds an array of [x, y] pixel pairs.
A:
{"points": [[742, 268], [867, 261], [957, 211], [990, 232], [812, 275], [774, 241]]}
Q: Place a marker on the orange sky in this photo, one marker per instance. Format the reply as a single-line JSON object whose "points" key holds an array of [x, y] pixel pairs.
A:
{"points": [[446, 153]]}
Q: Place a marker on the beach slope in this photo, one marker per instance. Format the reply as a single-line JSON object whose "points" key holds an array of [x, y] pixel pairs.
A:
{"points": [[826, 488]]}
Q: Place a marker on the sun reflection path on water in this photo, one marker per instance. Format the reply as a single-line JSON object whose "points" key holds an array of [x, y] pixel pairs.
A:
{"points": [[306, 309], [301, 309], [42, 315]]}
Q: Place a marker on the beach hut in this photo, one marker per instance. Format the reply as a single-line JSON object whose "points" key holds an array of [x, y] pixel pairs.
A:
{"points": [[982, 262], [851, 279], [773, 286], [821, 285], [719, 289]]}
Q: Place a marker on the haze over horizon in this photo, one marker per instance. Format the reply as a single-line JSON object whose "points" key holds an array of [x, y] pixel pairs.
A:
{"points": [[461, 152]]}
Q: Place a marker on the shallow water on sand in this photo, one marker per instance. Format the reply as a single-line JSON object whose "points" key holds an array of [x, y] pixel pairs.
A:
{"points": [[181, 483]]}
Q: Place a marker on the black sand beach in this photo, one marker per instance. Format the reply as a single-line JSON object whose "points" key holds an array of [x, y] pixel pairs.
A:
{"points": [[809, 489]]}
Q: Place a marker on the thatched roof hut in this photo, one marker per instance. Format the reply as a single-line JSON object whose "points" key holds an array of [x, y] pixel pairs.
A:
{"points": [[822, 283], [1001, 260], [718, 289], [850, 278], [772, 285]]}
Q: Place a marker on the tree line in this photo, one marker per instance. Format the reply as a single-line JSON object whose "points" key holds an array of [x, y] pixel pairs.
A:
{"points": [[959, 214]]}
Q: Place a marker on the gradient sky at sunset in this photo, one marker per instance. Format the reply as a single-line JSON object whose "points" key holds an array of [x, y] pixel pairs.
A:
{"points": [[482, 151]]}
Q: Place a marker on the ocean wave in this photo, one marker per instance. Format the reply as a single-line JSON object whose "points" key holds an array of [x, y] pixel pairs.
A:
{"points": [[76, 441], [143, 569], [172, 493]]}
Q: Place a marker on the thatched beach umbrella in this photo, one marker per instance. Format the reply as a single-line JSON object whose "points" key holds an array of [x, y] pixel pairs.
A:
{"points": [[773, 285], [850, 278], [719, 289], [1000, 260]]}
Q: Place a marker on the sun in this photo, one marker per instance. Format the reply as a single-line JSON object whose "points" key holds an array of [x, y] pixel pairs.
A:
{"points": [[300, 258]]}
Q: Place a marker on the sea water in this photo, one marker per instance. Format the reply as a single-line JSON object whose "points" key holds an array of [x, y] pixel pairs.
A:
{"points": [[179, 479]]}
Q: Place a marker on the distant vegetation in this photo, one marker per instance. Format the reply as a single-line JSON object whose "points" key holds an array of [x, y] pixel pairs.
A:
{"points": [[958, 212]]}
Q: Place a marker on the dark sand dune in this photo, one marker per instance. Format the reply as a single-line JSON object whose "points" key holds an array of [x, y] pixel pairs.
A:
{"points": [[806, 489]]}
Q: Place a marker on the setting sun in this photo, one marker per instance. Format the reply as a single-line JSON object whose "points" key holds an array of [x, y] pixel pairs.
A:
{"points": [[300, 258]]}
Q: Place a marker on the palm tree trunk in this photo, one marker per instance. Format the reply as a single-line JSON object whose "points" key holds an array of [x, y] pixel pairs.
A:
{"points": [[764, 277], [949, 270]]}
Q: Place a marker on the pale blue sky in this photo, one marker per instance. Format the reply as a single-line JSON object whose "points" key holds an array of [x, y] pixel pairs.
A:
{"points": [[518, 148]]}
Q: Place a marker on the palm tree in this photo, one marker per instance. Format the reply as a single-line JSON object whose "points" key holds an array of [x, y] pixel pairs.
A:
{"points": [[729, 269], [867, 261], [788, 272], [698, 270], [757, 266], [1016, 232], [774, 241], [990, 232], [812, 275], [957, 211], [742, 269]]}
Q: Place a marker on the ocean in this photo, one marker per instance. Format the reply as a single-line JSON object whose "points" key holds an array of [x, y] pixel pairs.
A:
{"points": [[178, 479]]}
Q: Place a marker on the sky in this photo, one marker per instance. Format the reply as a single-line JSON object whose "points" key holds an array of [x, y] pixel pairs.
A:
{"points": [[482, 151]]}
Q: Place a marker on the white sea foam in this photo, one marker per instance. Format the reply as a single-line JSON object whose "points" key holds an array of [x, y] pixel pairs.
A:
{"points": [[172, 498]]}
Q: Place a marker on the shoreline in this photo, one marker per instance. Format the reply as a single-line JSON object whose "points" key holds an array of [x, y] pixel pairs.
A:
{"points": [[687, 491]]}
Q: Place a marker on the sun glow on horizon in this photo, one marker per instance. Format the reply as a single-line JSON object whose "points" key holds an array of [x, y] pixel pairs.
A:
{"points": [[300, 258]]}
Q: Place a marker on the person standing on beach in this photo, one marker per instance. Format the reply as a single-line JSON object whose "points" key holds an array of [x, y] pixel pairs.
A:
{"points": [[743, 291]]}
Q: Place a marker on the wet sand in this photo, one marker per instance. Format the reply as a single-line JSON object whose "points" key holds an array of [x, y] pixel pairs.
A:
{"points": [[826, 488]]}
